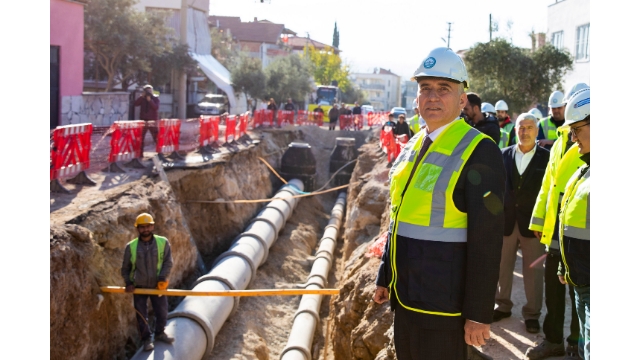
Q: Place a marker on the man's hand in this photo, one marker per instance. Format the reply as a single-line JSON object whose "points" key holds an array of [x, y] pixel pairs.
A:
{"points": [[562, 280], [545, 142], [163, 285], [537, 234], [475, 333], [130, 288], [382, 295]]}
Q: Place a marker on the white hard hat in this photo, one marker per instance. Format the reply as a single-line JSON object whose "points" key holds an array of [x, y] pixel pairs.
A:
{"points": [[502, 105], [556, 99], [535, 112], [442, 62], [487, 108], [574, 89], [526, 116], [578, 107], [415, 103]]}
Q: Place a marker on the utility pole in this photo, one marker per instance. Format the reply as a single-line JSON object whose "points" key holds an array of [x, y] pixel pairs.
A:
{"points": [[490, 27], [449, 35], [182, 75]]}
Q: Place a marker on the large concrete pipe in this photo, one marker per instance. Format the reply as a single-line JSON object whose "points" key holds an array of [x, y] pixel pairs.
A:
{"points": [[307, 317], [198, 319]]}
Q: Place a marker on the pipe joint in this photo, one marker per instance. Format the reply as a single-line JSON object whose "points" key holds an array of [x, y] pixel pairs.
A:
{"points": [[305, 351], [245, 257], [236, 299], [203, 322], [261, 240]]}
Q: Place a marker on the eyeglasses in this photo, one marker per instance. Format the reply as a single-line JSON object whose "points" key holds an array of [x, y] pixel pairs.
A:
{"points": [[573, 132]]}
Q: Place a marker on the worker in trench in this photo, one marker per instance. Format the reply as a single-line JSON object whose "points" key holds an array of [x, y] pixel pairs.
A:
{"points": [[146, 264], [440, 266]]}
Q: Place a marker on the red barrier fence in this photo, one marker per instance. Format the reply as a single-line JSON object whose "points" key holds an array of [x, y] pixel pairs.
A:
{"points": [[209, 129], [70, 155], [126, 141], [244, 121], [285, 117], [376, 118], [263, 118], [310, 118], [230, 133], [169, 136], [389, 143]]}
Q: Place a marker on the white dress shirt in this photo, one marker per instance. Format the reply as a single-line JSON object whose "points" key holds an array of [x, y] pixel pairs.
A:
{"points": [[434, 135], [523, 159]]}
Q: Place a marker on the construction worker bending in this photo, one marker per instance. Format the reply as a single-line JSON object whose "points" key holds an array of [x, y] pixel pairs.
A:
{"points": [[575, 218], [147, 263], [564, 161], [440, 266], [524, 163]]}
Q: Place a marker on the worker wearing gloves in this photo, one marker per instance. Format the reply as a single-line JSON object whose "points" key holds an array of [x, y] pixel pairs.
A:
{"points": [[146, 264], [440, 266], [574, 226], [563, 162]]}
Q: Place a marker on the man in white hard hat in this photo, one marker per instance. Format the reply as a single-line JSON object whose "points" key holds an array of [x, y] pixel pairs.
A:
{"points": [[440, 265], [505, 121], [549, 125], [525, 163], [575, 224]]}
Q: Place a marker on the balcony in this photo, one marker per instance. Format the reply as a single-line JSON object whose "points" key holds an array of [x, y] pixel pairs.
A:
{"points": [[371, 86]]}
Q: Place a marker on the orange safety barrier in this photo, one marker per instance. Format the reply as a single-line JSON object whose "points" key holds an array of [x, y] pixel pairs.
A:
{"points": [[69, 155], [209, 132], [263, 117], [358, 121], [126, 144], [346, 122], [375, 119], [230, 133], [244, 121], [401, 142], [285, 117], [169, 139], [389, 143], [306, 117]]}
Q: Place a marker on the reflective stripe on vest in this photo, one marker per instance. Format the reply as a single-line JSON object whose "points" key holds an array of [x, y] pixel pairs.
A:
{"points": [[426, 210], [133, 248], [549, 129], [575, 213], [504, 139]]}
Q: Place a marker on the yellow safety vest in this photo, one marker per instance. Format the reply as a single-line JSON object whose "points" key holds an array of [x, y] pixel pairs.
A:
{"points": [[161, 242], [575, 213], [504, 139], [414, 124], [549, 129], [559, 169], [427, 211]]}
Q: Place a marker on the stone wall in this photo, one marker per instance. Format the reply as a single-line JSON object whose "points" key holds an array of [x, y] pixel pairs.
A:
{"points": [[100, 109]]}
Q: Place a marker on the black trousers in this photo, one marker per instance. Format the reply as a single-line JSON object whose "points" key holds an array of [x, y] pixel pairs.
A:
{"points": [[151, 126], [554, 293], [416, 339], [160, 309], [332, 124]]}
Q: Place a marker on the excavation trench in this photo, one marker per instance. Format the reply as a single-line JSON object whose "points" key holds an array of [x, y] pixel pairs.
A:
{"points": [[90, 228]]}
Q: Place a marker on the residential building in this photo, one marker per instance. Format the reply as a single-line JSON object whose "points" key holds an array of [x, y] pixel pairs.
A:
{"points": [[409, 93], [568, 23], [297, 44], [66, 38], [382, 88]]}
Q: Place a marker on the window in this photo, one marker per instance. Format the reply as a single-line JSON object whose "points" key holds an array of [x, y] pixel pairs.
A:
{"points": [[582, 42], [557, 39]]}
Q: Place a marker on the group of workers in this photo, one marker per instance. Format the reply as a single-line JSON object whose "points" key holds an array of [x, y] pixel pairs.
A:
{"points": [[469, 189]]}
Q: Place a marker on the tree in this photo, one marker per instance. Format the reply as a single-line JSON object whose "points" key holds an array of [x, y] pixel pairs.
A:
{"points": [[249, 78], [163, 64], [499, 70], [327, 66], [288, 77], [123, 40], [336, 36], [224, 49]]}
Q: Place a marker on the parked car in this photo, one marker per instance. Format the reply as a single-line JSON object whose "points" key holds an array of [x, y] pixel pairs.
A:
{"points": [[212, 104], [397, 111]]}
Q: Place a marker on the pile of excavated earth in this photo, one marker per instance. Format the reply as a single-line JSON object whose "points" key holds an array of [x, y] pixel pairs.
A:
{"points": [[90, 227]]}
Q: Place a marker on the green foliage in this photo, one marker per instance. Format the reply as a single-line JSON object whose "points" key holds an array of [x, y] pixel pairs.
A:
{"points": [[124, 40], [350, 95], [223, 49], [163, 64], [288, 77], [336, 36], [499, 70], [249, 78], [327, 66]]}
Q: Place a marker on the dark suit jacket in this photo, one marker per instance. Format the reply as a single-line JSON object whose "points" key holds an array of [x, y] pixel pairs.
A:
{"points": [[519, 202], [475, 265]]}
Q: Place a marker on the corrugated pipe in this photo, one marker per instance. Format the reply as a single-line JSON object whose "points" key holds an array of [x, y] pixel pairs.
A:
{"points": [[307, 317], [198, 319]]}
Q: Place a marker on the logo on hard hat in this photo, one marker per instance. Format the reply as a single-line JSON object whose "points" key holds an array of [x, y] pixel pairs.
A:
{"points": [[429, 63], [582, 103], [555, 101]]}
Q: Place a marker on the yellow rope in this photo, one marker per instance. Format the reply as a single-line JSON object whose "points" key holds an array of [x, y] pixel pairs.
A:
{"points": [[272, 170], [265, 200]]}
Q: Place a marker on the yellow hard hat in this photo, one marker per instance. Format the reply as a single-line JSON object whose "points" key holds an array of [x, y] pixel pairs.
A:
{"points": [[143, 219]]}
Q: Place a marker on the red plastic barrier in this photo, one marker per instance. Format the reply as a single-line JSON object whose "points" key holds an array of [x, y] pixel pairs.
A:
{"points": [[375, 119], [309, 118], [358, 121], [285, 117], [244, 120], [230, 133], [126, 141], [389, 143], [377, 248], [263, 117], [168, 136], [346, 122], [401, 142], [209, 129], [70, 152]]}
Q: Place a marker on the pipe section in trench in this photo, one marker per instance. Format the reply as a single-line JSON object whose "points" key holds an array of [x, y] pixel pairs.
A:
{"points": [[197, 320], [307, 317]]}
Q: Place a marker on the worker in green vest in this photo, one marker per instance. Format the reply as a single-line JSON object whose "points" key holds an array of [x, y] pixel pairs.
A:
{"points": [[414, 122], [563, 162], [146, 264], [549, 125], [440, 265], [506, 125], [575, 218]]}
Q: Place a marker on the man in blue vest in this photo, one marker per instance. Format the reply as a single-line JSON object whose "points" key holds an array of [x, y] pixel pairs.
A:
{"points": [[147, 263], [441, 263]]}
